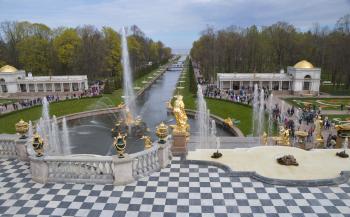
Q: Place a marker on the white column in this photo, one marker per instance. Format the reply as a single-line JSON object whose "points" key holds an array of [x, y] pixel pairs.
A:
{"points": [[53, 87], [70, 87], [221, 83], [280, 85], [240, 84], [35, 87], [231, 85], [270, 85], [79, 86], [62, 88], [45, 87], [27, 88], [250, 84]]}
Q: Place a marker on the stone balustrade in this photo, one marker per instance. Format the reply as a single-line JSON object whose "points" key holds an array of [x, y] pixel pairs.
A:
{"points": [[100, 169], [80, 169], [12, 147], [145, 162]]}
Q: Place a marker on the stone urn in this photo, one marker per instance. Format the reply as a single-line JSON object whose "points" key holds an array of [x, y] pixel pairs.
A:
{"points": [[287, 160], [22, 128]]}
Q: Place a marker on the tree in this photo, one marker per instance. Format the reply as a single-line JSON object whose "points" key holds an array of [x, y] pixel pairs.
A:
{"points": [[66, 45]]}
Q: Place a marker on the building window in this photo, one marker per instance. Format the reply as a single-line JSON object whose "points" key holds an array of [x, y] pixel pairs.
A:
{"points": [[23, 87], [3, 86], [75, 86], [66, 87], [31, 88], [48, 87], [285, 85], [275, 85], [307, 82], [40, 87], [57, 87]]}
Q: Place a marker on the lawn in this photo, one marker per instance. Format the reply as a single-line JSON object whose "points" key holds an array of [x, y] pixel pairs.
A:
{"points": [[340, 90], [218, 107], [323, 103], [7, 101], [8, 121]]}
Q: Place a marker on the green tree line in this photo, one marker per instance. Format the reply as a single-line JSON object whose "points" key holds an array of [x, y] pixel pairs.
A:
{"points": [[272, 48], [88, 50]]}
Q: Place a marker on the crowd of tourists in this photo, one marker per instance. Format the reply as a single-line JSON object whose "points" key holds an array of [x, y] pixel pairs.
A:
{"points": [[14, 105]]}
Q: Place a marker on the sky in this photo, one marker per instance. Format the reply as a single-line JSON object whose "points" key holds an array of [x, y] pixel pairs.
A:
{"points": [[177, 23]]}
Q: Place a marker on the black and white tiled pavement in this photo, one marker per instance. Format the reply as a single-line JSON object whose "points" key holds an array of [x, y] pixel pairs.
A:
{"points": [[178, 190]]}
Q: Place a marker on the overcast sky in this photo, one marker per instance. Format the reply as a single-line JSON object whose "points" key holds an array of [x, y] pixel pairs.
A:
{"points": [[175, 22]]}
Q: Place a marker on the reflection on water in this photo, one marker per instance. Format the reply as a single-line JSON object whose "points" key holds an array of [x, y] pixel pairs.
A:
{"points": [[92, 135]]}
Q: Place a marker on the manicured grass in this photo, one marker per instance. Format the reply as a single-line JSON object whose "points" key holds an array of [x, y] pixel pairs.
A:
{"points": [[218, 107], [335, 90], [3, 101], [341, 117], [323, 103], [62, 108]]}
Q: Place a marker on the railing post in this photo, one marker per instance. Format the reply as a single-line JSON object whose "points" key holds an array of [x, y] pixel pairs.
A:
{"points": [[163, 154], [21, 149], [123, 170], [39, 169]]}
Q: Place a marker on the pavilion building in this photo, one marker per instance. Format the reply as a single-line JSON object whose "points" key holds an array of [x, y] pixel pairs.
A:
{"points": [[302, 79], [14, 81]]}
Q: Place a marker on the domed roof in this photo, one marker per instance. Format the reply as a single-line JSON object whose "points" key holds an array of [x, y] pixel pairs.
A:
{"points": [[303, 65], [8, 68]]}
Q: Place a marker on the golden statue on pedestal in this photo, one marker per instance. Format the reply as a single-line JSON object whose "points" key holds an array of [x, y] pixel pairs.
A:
{"points": [[147, 141], [180, 115], [264, 138], [228, 122], [162, 132], [318, 124]]}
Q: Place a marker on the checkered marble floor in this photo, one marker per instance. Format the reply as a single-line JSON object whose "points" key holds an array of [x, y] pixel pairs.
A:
{"points": [[178, 190]]}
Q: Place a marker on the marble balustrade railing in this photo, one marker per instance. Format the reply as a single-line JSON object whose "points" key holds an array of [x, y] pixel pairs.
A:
{"points": [[8, 145], [145, 162], [100, 169], [80, 169]]}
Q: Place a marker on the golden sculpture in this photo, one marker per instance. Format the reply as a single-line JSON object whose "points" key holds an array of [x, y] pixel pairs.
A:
{"points": [[318, 124], [162, 132], [342, 127], [264, 138], [22, 128], [228, 122], [129, 120], [147, 141], [283, 138], [119, 144], [180, 115], [121, 105], [38, 145]]}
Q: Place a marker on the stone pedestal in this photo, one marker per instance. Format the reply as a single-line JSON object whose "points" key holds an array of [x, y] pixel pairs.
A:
{"points": [[21, 149], [179, 146], [163, 155], [39, 169], [122, 172]]}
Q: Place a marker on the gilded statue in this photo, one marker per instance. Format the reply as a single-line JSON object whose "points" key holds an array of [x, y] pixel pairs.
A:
{"points": [[318, 124], [265, 138], [147, 141], [180, 115]]}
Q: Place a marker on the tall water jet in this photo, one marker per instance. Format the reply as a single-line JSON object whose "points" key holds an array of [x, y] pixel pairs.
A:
{"points": [[255, 118], [128, 90], [65, 137], [203, 117], [261, 118], [54, 139], [270, 110]]}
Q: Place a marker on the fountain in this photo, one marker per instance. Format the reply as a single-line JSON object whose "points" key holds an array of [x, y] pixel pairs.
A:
{"points": [[128, 91], [203, 118], [56, 141], [258, 111]]}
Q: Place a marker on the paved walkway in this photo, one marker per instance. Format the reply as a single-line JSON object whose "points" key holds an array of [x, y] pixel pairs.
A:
{"points": [[178, 190]]}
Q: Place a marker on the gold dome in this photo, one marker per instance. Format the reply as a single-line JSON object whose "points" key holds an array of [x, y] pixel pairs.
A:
{"points": [[303, 65], [8, 68]]}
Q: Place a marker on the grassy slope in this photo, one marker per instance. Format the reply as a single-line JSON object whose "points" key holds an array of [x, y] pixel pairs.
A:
{"points": [[221, 108], [7, 121]]}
